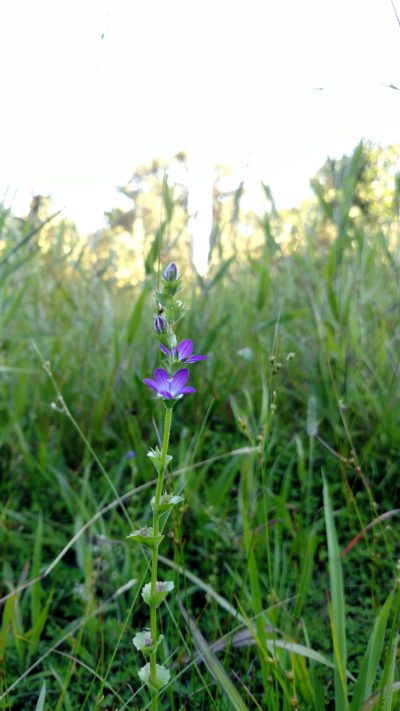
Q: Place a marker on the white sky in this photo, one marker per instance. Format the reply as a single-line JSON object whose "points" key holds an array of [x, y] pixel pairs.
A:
{"points": [[90, 88]]}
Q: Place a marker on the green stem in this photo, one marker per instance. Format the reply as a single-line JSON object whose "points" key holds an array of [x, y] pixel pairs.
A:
{"points": [[154, 562]]}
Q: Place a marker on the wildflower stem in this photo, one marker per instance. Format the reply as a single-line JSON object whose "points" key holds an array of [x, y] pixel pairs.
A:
{"points": [[154, 562]]}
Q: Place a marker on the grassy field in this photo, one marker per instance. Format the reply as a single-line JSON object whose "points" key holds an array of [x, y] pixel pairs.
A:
{"points": [[285, 551]]}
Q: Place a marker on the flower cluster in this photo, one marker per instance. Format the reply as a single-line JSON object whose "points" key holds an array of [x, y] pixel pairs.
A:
{"points": [[169, 385], [169, 382]]}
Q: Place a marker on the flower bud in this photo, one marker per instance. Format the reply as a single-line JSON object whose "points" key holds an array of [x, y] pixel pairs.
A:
{"points": [[171, 272], [160, 325]]}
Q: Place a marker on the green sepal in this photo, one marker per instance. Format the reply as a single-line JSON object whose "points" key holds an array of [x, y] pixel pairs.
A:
{"points": [[144, 643], [165, 300], [176, 311], [162, 590], [156, 458], [174, 308], [167, 501], [146, 537], [170, 288], [162, 677]]}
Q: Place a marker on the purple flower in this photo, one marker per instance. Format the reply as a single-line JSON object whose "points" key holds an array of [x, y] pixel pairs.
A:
{"points": [[183, 352], [171, 272], [168, 387]]}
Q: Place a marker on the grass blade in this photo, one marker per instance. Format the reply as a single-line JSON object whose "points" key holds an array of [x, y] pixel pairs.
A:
{"points": [[214, 666], [337, 606], [373, 701], [42, 698], [136, 315], [370, 662]]}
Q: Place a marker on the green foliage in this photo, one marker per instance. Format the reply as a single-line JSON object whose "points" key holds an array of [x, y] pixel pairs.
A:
{"points": [[286, 587]]}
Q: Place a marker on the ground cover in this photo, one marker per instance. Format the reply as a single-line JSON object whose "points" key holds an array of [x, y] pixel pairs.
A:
{"points": [[285, 551]]}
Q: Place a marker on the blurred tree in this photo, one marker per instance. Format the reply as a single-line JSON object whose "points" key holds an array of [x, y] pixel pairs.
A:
{"points": [[154, 226], [359, 186], [355, 195]]}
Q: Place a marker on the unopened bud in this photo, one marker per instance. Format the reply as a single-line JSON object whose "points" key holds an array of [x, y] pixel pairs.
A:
{"points": [[160, 325], [171, 272]]}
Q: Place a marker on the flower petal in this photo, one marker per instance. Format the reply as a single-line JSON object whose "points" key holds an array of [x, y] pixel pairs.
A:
{"points": [[187, 390], [185, 349], [161, 378], [167, 394], [195, 358], [179, 381], [151, 384], [164, 349]]}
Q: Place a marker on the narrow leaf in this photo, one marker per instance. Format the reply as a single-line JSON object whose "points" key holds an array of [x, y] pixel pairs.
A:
{"points": [[338, 609], [42, 698], [214, 666], [372, 657], [136, 315]]}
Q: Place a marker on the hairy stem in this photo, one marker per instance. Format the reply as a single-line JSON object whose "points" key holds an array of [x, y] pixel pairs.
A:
{"points": [[154, 562]]}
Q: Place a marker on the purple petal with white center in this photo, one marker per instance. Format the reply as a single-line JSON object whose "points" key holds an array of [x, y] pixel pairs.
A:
{"points": [[185, 349], [179, 381], [195, 358], [161, 378], [164, 349]]}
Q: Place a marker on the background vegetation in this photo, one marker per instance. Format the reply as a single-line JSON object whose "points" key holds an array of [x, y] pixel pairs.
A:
{"points": [[285, 551]]}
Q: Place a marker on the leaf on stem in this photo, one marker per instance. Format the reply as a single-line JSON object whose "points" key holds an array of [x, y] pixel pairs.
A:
{"points": [[156, 457], [144, 643], [167, 501], [146, 537], [162, 589], [162, 677]]}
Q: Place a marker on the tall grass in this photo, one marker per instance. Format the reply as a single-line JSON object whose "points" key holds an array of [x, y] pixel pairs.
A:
{"points": [[287, 586]]}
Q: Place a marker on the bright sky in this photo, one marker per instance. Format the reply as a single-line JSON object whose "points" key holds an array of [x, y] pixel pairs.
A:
{"points": [[91, 88]]}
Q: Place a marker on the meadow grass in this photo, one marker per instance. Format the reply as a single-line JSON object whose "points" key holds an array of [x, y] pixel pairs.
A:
{"points": [[284, 553]]}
